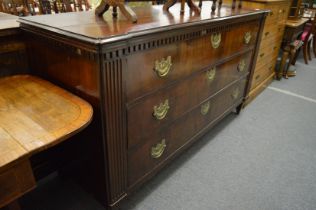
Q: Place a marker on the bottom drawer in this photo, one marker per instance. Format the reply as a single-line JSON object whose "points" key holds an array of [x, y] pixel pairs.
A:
{"points": [[167, 140], [262, 73]]}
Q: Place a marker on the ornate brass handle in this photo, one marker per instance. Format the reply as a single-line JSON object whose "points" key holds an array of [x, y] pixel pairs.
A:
{"points": [[242, 65], [216, 39], [281, 11], [247, 37], [271, 13], [205, 108], [267, 33], [161, 110], [163, 66], [158, 149], [261, 55], [235, 93], [210, 74]]}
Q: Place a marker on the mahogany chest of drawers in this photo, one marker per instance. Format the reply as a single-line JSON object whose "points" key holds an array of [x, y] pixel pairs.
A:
{"points": [[156, 86]]}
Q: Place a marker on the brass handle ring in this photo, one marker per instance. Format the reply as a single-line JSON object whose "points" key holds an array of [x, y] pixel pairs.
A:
{"points": [[235, 93], [210, 74], [205, 108], [216, 39], [161, 110], [163, 66], [241, 65], [247, 37], [158, 149]]}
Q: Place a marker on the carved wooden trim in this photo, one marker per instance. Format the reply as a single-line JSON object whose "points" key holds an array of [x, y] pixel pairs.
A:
{"points": [[139, 44], [114, 115]]}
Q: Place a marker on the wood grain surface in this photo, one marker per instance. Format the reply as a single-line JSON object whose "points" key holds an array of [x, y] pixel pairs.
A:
{"points": [[35, 115]]}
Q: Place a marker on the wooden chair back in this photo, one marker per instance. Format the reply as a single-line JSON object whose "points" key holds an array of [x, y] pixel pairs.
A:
{"points": [[13, 7]]}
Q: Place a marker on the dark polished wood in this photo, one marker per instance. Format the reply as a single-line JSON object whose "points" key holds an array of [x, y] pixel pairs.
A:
{"points": [[127, 69], [182, 96]]}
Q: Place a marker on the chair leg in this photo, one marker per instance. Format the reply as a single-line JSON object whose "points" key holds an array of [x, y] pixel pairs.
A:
{"points": [[305, 52], [314, 45], [309, 50], [295, 56]]}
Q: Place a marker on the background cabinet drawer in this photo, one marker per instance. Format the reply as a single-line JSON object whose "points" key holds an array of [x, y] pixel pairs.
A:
{"points": [[168, 139], [263, 72], [180, 98], [185, 58], [274, 13]]}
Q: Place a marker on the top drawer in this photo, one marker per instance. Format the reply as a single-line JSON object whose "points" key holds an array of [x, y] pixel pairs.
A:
{"points": [[166, 64]]}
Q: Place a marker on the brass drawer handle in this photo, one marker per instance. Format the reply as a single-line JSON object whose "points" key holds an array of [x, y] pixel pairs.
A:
{"points": [[158, 149], [261, 55], [205, 108], [271, 13], [267, 33], [247, 37], [216, 40], [210, 74], [163, 66], [281, 11], [242, 65], [274, 48], [235, 93], [161, 110]]}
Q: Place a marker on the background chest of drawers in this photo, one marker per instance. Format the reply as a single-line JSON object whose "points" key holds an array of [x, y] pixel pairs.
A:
{"points": [[270, 43], [156, 86], [12, 48]]}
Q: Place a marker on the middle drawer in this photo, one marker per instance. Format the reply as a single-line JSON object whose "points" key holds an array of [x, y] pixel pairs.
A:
{"points": [[170, 103], [167, 140]]}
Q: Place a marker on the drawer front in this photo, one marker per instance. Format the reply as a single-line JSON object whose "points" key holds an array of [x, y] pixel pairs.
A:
{"points": [[283, 12], [170, 103], [167, 140], [264, 53], [263, 72], [274, 13], [166, 64], [269, 31]]}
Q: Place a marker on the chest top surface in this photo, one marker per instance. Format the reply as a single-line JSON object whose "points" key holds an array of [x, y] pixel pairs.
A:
{"points": [[86, 26]]}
